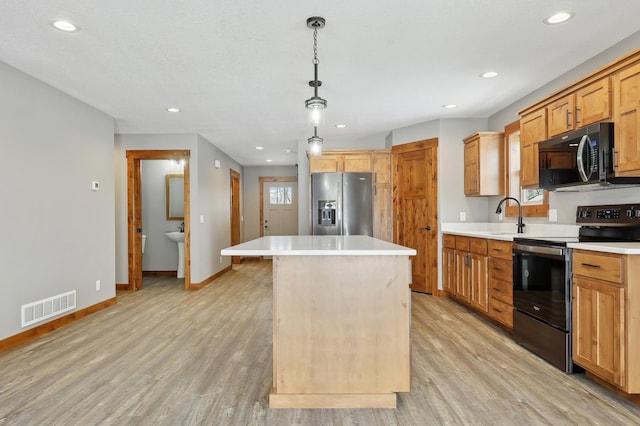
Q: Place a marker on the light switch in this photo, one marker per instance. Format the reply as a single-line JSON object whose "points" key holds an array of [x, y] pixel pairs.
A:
{"points": [[95, 185], [463, 216], [553, 215], [201, 218]]}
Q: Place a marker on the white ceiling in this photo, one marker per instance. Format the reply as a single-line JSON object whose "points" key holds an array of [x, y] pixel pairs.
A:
{"points": [[239, 69]]}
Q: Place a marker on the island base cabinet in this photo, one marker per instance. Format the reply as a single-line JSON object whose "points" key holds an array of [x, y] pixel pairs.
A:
{"points": [[340, 331]]}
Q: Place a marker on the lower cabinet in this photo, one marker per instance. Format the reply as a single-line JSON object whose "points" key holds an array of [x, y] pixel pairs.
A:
{"points": [[477, 273], [606, 320]]}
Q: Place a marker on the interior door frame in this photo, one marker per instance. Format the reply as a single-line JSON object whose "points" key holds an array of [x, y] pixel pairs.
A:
{"points": [[262, 180], [431, 180], [234, 213], [134, 211]]}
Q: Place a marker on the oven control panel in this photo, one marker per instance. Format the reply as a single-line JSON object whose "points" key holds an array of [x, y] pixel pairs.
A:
{"points": [[615, 214]]}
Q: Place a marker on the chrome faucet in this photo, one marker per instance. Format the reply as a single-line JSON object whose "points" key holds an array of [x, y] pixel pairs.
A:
{"points": [[181, 227], [499, 210]]}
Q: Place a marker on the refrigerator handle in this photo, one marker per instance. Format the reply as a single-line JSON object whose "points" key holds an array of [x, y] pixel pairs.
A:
{"points": [[339, 219]]}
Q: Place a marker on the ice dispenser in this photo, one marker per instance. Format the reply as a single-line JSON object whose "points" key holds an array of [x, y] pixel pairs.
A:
{"points": [[326, 212]]}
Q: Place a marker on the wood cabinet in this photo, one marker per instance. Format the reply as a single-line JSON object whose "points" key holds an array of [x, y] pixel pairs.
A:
{"points": [[484, 164], [501, 282], [449, 264], [587, 105], [606, 326], [378, 162], [533, 130], [626, 93], [471, 277], [349, 162]]}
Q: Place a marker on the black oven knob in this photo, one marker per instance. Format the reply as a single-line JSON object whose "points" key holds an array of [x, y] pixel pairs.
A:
{"points": [[630, 213], [637, 213]]}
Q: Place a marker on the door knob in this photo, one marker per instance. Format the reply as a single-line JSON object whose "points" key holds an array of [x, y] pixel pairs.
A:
{"points": [[428, 228]]}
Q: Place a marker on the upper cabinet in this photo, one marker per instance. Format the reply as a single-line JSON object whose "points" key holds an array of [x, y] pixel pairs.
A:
{"points": [[626, 93], [484, 164], [340, 163], [610, 93]]}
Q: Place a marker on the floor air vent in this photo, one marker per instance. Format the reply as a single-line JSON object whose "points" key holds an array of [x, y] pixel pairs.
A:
{"points": [[46, 308]]}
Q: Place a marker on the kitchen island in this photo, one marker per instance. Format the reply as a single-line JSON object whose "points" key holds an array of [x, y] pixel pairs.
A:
{"points": [[341, 320]]}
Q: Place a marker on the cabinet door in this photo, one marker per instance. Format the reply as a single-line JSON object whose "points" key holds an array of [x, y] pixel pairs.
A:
{"points": [[463, 288], [598, 326], [325, 164], [593, 103], [561, 115], [449, 270], [626, 93], [471, 168], [533, 129], [479, 282], [357, 163], [382, 212]]}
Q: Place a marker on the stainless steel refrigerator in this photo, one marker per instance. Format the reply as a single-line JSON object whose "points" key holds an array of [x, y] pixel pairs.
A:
{"points": [[342, 203]]}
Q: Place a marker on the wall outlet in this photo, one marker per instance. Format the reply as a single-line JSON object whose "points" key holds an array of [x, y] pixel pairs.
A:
{"points": [[553, 215], [463, 216], [97, 285], [201, 218]]}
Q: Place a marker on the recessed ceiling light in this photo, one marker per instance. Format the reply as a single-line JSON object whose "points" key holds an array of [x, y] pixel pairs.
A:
{"points": [[259, 147], [558, 18], [173, 109], [288, 150], [341, 125], [489, 74], [268, 161], [65, 26], [449, 106]]}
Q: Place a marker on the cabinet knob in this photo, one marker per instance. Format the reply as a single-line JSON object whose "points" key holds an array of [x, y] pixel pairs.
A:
{"points": [[428, 228]]}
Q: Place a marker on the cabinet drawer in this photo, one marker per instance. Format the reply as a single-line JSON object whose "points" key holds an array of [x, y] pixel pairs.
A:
{"points": [[501, 269], [501, 312], [462, 243], [448, 241], [478, 246], [602, 266], [500, 249], [501, 290]]}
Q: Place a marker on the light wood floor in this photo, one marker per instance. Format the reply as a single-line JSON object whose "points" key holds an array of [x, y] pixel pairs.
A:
{"points": [[170, 357]]}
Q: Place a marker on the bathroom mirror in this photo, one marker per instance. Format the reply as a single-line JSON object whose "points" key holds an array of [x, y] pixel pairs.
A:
{"points": [[175, 196]]}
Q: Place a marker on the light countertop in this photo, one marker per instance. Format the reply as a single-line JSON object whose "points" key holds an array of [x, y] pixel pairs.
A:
{"points": [[619, 248], [317, 245]]}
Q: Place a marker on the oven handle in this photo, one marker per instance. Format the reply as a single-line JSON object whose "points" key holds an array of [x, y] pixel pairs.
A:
{"points": [[581, 168], [551, 251]]}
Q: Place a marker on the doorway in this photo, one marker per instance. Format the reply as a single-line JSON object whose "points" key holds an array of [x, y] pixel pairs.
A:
{"points": [[234, 179], [415, 209], [278, 205], [134, 211]]}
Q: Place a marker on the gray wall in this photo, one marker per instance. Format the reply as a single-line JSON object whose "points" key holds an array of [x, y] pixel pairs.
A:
{"points": [[210, 198], [251, 195], [566, 203], [160, 254], [58, 235]]}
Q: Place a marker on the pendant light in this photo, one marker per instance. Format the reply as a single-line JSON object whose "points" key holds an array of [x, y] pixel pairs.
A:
{"points": [[315, 143], [315, 105]]}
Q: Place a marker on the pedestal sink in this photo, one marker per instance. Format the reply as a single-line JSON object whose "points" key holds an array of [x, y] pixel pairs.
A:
{"points": [[178, 238]]}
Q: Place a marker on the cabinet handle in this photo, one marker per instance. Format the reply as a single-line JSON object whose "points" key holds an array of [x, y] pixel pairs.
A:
{"points": [[589, 265], [568, 113], [615, 158], [497, 310], [496, 249], [497, 289], [577, 111], [497, 269]]}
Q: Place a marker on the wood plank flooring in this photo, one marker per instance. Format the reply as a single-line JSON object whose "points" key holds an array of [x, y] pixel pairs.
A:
{"points": [[169, 357]]}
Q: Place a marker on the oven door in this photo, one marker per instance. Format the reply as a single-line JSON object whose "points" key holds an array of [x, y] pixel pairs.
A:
{"points": [[541, 283]]}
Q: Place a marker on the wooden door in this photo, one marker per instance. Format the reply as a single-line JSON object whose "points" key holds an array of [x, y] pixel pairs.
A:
{"points": [[449, 270], [561, 115], [593, 103], [235, 211], [533, 129], [598, 327], [415, 183], [626, 92], [280, 207]]}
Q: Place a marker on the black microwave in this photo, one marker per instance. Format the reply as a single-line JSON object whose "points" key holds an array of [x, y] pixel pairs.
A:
{"points": [[580, 160]]}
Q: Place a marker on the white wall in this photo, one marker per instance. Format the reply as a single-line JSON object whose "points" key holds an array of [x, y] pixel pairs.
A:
{"points": [[160, 254], [58, 235], [251, 195]]}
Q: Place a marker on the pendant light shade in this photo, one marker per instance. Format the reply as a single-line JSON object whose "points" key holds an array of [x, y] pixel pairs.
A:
{"points": [[315, 143], [315, 105]]}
